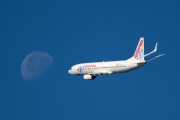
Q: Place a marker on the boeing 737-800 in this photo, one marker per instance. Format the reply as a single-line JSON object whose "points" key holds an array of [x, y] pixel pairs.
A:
{"points": [[90, 70]]}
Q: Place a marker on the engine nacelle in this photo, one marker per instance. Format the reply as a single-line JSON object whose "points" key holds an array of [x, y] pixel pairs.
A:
{"points": [[89, 77]]}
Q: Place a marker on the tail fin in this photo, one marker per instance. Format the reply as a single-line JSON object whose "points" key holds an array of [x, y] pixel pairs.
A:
{"points": [[139, 52]]}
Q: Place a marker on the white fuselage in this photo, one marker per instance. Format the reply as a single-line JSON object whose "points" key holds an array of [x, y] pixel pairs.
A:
{"points": [[91, 70], [99, 68]]}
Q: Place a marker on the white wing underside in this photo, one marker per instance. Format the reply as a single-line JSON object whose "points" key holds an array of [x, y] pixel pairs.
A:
{"points": [[104, 72]]}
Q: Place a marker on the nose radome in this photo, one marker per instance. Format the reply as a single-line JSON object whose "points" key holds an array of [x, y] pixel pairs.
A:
{"points": [[69, 71]]}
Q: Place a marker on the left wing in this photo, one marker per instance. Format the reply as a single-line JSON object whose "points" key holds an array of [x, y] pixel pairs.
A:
{"points": [[104, 72]]}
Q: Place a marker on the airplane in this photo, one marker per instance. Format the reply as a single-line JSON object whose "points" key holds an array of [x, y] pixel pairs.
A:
{"points": [[89, 71]]}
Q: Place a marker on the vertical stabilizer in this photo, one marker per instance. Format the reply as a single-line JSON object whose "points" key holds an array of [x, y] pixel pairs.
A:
{"points": [[139, 52]]}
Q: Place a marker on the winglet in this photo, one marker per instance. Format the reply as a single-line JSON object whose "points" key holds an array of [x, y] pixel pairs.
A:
{"points": [[155, 49]]}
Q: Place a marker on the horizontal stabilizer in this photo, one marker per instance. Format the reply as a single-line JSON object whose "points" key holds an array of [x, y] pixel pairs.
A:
{"points": [[147, 60]]}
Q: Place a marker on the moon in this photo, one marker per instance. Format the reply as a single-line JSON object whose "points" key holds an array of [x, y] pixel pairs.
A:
{"points": [[35, 65]]}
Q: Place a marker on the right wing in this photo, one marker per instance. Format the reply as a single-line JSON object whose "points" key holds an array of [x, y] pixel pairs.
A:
{"points": [[155, 49]]}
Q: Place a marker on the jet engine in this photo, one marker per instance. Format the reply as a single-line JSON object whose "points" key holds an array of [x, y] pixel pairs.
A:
{"points": [[89, 77]]}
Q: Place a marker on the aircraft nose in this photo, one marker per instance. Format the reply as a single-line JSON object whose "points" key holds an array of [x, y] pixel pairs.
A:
{"points": [[69, 71]]}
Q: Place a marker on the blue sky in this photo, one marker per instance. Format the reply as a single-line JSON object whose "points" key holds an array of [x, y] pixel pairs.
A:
{"points": [[84, 31]]}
